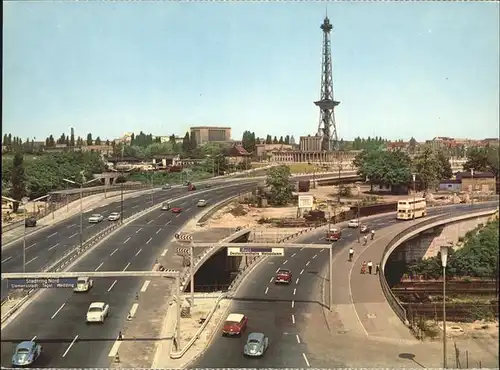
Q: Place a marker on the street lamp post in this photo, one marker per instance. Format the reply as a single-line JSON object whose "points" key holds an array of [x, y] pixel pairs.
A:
{"points": [[414, 175], [472, 187], [121, 192], [444, 260], [359, 226], [81, 184], [152, 189]]}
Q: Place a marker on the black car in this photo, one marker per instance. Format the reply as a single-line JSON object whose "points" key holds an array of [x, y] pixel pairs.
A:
{"points": [[30, 222]]}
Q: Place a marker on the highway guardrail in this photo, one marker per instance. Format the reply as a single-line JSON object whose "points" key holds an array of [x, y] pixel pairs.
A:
{"points": [[407, 234]]}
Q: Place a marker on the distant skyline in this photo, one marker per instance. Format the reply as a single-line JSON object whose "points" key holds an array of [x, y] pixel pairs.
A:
{"points": [[400, 69]]}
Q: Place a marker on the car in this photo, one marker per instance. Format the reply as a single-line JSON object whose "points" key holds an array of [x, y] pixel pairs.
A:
{"points": [[353, 223], [235, 324], [95, 218], [165, 206], [30, 222], [176, 210], [26, 353], [166, 187], [83, 284], [97, 312], [333, 235], [256, 345], [202, 203], [114, 216], [191, 187], [364, 229], [283, 276]]}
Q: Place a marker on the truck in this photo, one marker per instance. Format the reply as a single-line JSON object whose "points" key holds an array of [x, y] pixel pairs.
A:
{"points": [[333, 234]]}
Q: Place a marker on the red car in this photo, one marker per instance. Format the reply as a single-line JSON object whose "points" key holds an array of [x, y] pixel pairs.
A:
{"points": [[283, 276], [176, 210], [235, 324], [333, 235], [191, 187]]}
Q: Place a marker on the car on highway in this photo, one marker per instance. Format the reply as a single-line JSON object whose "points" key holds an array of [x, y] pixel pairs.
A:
{"points": [[364, 229], [95, 218], [353, 223], [176, 210], [202, 203], [333, 235], [283, 276], [30, 222], [83, 284], [97, 312], [26, 353], [114, 216], [165, 206], [166, 187], [235, 324], [256, 345]]}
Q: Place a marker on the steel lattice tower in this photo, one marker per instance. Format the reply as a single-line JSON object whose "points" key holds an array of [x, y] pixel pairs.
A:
{"points": [[327, 128]]}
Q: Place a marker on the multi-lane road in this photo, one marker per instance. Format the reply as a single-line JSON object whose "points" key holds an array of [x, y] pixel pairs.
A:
{"points": [[284, 313], [57, 317]]}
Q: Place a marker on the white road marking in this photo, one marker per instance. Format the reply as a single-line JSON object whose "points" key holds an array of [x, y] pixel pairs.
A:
{"points": [[116, 250], [267, 290], [145, 286], [277, 270], [70, 226], [133, 310], [302, 248], [179, 215], [59, 309], [88, 227], [293, 255], [349, 234], [32, 339], [51, 235], [294, 291], [8, 258], [164, 253], [138, 231], [135, 206], [31, 260], [116, 346], [322, 250], [112, 285], [75, 234], [293, 318], [271, 280], [187, 209], [149, 240], [168, 223], [301, 272], [31, 246], [308, 262], [69, 347], [293, 304], [297, 281], [285, 262], [126, 240], [298, 339], [54, 246], [98, 267], [149, 222], [159, 230], [139, 251], [315, 256], [306, 360], [126, 267]]}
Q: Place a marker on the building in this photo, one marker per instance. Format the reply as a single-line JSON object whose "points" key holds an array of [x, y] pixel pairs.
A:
{"points": [[310, 143], [237, 155], [482, 182], [264, 151], [210, 134]]}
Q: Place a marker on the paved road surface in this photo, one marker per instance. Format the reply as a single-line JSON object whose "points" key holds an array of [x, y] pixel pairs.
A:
{"points": [[287, 313]]}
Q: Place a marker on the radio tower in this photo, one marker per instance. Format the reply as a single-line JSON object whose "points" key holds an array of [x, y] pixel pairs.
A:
{"points": [[327, 128]]}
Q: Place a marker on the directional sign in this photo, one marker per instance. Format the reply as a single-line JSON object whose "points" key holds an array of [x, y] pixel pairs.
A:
{"points": [[238, 252], [41, 283]]}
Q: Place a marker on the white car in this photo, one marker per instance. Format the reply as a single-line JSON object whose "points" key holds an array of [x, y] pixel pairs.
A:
{"points": [[202, 203], [95, 218], [97, 312], [114, 216], [83, 284], [353, 223]]}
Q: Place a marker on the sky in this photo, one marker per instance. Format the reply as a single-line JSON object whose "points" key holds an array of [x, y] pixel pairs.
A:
{"points": [[400, 69]]}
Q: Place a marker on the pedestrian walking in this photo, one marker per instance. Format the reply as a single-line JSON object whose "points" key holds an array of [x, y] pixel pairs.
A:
{"points": [[363, 267], [370, 266], [351, 254], [377, 268]]}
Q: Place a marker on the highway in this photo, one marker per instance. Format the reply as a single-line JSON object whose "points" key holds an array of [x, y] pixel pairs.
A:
{"points": [[57, 317], [284, 312]]}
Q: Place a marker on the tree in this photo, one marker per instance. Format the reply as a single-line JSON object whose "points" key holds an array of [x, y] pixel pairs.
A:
{"points": [[186, 143], [192, 144], [89, 139], [97, 141], [412, 145], [445, 171], [52, 142], [287, 139], [275, 140], [292, 140], [281, 141], [427, 169], [482, 159], [72, 138], [248, 141], [107, 142], [17, 180], [269, 140], [278, 178]]}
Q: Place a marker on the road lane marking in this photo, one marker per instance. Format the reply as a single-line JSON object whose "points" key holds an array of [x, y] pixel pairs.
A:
{"points": [[137, 205], [54, 246], [75, 234], [267, 290], [349, 234], [285, 262], [32, 339], [69, 347], [126, 267], [133, 310], [298, 339], [98, 267], [293, 304], [293, 255], [31, 260], [293, 318], [126, 240], [112, 285], [306, 360], [59, 309], [277, 270], [7, 259], [145, 286], [168, 223], [149, 222], [138, 231], [271, 280], [70, 226], [294, 291], [116, 250], [322, 250], [308, 262], [116, 346], [31, 246], [302, 248], [315, 256], [297, 281], [179, 215], [163, 253], [51, 235], [149, 240], [159, 230], [139, 251], [301, 272]]}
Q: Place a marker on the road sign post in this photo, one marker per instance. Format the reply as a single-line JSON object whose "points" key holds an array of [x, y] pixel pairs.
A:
{"points": [[189, 238]]}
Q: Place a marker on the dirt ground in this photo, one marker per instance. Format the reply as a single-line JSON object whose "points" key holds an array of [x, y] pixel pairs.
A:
{"points": [[31, 208], [476, 329]]}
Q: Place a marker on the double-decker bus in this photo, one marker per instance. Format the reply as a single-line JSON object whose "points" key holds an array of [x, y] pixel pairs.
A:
{"points": [[410, 209]]}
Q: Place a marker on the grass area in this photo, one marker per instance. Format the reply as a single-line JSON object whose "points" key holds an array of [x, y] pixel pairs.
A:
{"points": [[303, 168], [161, 178]]}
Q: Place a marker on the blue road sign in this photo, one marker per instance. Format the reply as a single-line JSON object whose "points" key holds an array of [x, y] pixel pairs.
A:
{"points": [[41, 283]]}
